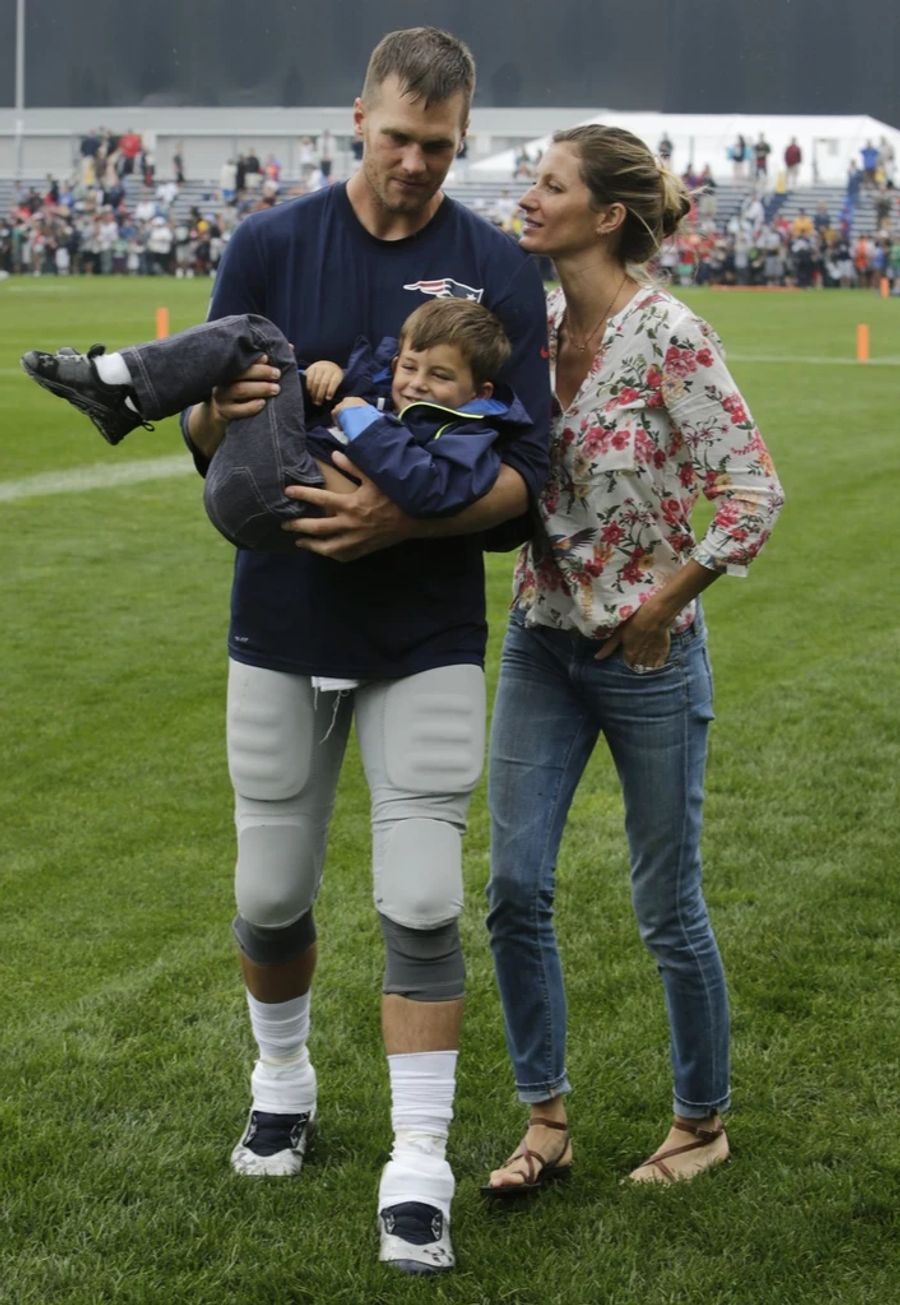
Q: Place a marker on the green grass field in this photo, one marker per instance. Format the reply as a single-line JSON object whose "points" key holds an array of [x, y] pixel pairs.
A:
{"points": [[124, 1050]]}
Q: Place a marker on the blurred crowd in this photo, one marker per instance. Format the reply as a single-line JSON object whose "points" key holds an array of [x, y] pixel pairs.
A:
{"points": [[115, 216]]}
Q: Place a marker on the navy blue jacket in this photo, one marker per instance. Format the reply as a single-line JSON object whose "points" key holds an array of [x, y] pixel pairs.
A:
{"points": [[429, 460]]}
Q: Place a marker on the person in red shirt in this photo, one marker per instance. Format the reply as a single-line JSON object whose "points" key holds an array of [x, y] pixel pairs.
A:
{"points": [[130, 146], [793, 157]]}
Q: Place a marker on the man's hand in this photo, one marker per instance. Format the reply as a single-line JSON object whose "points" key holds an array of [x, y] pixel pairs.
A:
{"points": [[243, 397], [322, 380], [361, 522], [248, 394]]}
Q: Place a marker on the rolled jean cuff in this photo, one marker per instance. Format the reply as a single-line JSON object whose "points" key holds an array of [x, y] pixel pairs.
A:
{"points": [[534, 1093], [691, 1109]]}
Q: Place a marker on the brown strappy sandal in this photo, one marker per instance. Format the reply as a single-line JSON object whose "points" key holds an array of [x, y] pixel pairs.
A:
{"points": [[703, 1136], [550, 1170]]}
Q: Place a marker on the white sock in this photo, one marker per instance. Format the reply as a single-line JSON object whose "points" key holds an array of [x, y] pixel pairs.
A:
{"points": [[283, 1080], [112, 369], [422, 1089]]}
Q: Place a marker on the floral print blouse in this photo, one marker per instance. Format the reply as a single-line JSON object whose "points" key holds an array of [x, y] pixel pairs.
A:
{"points": [[657, 420]]}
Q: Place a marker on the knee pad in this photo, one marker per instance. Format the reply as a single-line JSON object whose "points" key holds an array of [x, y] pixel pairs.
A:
{"points": [[277, 872], [423, 964], [418, 873], [274, 946]]}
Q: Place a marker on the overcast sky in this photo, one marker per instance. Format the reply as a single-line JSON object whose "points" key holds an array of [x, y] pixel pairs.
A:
{"points": [[688, 56]]}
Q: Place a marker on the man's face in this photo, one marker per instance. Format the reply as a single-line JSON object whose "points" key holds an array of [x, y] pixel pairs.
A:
{"points": [[408, 148]]}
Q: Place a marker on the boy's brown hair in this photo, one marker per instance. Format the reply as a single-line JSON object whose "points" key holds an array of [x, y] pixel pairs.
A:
{"points": [[472, 328]]}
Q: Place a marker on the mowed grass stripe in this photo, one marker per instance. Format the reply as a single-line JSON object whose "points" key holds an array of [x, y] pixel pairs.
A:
{"points": [[102, 475]]}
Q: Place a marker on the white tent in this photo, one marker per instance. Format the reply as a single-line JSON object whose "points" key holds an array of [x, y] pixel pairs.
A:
{"points": [[829, 142]]}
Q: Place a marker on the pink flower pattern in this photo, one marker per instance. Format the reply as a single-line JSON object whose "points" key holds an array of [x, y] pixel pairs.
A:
{"points": [[657, 421]]}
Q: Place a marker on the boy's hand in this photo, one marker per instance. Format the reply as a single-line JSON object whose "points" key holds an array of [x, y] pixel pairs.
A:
{"points": [[352, 401], [322, 380]]}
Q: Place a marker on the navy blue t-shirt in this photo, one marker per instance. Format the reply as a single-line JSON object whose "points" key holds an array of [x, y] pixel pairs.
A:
{"points": [[312, 268]]}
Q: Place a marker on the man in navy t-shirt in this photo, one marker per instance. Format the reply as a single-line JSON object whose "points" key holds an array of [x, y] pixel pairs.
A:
{"points": [[374, 599]]}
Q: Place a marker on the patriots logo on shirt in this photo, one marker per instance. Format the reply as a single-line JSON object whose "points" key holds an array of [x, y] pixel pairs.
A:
{"points": [[444, 287]]}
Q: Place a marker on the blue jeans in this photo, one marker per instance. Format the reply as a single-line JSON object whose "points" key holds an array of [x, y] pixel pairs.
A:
{"points": [[553, 701]]}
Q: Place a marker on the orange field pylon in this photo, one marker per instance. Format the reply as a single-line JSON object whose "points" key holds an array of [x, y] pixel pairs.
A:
{"points": [[162, 323], [862, 342]]}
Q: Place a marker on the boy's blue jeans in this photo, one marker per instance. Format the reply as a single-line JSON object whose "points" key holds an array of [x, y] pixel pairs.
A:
{"points": [[553, 701], [244, 489]]}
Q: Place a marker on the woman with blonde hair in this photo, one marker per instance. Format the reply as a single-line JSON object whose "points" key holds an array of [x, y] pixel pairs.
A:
{"points": [[607, 636]]}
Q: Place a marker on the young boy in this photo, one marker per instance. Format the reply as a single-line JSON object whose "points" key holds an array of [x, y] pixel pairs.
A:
{"points": [[435, 457]]}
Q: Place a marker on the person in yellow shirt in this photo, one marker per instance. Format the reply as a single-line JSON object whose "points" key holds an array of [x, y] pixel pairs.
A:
{"points": [[802, 224]]}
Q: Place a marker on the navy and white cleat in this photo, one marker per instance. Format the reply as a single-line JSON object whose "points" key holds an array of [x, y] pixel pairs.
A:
{"points": [[273, 1146], [415, 1238]]}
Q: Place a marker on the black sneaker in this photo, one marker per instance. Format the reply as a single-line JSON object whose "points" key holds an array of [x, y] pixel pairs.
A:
{"points": [[73, 376], [415, 1238], [273, 1146]]}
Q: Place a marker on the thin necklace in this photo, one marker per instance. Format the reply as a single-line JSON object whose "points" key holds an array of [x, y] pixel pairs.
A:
{"points": [[584, 344]]}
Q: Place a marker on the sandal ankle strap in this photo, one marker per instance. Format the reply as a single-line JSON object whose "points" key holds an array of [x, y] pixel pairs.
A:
{"points": [[548, 1123], [706, 1135]]}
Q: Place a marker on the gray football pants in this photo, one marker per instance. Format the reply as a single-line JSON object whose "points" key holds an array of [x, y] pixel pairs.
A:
{"points": [[422, 744]]}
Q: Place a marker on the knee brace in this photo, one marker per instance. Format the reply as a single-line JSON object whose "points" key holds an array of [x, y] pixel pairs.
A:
{"points": [[274, 946], [277, 872], [423, 964], [418, 873]]}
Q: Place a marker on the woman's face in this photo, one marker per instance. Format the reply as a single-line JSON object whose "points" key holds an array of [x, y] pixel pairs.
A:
{"points": [[557, 215]]}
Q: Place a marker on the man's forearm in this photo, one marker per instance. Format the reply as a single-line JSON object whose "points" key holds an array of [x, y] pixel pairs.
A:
{"points": [[506, 499], [205, 428]]}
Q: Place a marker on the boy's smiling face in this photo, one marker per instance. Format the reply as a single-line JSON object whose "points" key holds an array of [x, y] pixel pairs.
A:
{"points": [[439, 374]]}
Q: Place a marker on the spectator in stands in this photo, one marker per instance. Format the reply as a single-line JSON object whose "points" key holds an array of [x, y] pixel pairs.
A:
{"points": [[707, 204], [802, 225], [326, 155], [228, 181], [862, 261], [883, 211], [761, 151], [869, 156], [130, 146], [886, 159], [773, 261], [159, 247], [822, 219], [793, 157], [178, 164], [738, 155], [166, 194], [252, 171], [148, 167], [893, 267], [664, 149]]}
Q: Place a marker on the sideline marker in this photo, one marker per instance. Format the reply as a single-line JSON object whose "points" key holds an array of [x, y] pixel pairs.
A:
{"points": [[862, 342], [885, 288], [162, 323]]}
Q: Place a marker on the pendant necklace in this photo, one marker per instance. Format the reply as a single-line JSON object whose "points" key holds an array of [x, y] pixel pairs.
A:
{"points": [[584, 343]]}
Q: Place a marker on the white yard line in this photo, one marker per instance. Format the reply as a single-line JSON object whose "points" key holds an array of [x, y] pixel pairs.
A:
{"points": [[102, 475], [817, 361]]}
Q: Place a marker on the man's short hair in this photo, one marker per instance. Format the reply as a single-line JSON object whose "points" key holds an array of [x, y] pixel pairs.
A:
{"points": [[429, 64], [473, 329]]}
